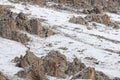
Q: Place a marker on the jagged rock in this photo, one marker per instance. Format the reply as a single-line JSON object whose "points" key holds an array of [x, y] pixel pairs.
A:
{"points": [[78, 20], [95, 10], [32, 65], [87, 73], [38, 2], [101, 76], [100, 18], [8, 28], [107, 5], [32, 73], [74, 67], [2, 10], [55, 64], [32, 26], [22, 22], [29, 60], [36, 27], [2, 77]]}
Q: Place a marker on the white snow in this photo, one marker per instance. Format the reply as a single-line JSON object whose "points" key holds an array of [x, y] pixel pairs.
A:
{"points": [[8, 51], [102, 44]]}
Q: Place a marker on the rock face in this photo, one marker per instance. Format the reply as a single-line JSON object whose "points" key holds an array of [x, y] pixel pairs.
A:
{"points": [[2, 77], [100, 18], [32, 65], [107, 5], [29, 60], [55, 64], [94, 10], [11, 26], [37, 28], [32, 26], [38, 2], [8, 27], [75, 66], [22, 22], [87, 73], [101, 76]]}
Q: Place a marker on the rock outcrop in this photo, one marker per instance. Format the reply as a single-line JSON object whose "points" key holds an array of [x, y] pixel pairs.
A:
{"points": [[78, 20], [75, 66], [94, 10], [101, 76], [11, 26], [55, 64], [38, 2], [8, 27], [32, 65], [37, 28], [107, 5], [32, 26], [2, 77], [100, 18]]}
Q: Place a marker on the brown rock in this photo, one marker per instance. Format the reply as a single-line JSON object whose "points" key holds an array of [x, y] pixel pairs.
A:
{"points": [[55, 64], [101, 76], [32, 26], [33, 68], [36, 27], [87, 73], [2, 77], [100, 18], [38, 2], [95, 10], [22, 22], [8, 28], [29, 60], [75, 67]]}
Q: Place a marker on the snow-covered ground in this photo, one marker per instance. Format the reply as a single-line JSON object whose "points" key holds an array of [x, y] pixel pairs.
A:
{"points": [[101, 44], [8, 51]]}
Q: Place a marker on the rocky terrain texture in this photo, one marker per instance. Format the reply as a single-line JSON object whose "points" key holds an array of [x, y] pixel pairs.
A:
{"points": [[55, 64], [59, 39]]}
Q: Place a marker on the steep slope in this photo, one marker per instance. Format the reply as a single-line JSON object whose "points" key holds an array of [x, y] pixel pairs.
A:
{"points": [[98, 47]]}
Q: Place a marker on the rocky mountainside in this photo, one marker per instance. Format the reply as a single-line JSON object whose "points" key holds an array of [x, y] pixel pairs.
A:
{"points": [[59, 39]]}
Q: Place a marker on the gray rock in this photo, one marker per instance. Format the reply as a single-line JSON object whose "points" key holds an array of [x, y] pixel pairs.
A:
{"points": [[78, 20]]}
